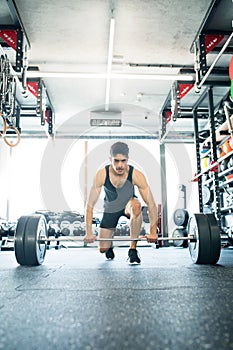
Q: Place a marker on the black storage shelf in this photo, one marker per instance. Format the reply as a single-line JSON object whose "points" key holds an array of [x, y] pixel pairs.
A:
{"points": [[207, 170]]}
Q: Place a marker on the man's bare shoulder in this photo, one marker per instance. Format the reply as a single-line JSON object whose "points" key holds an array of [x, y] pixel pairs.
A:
{"points": [[137, 172], [138, 177], [100, 176]]}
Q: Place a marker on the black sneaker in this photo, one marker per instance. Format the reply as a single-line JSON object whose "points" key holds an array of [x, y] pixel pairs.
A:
{"points": [[133, 256], [110, 254]]}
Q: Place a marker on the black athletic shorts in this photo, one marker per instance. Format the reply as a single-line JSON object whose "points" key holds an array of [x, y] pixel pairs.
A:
{"points": [[110, 220]]}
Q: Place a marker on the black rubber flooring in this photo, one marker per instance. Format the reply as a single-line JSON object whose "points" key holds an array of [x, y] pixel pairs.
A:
{"points": [[78, 300]]}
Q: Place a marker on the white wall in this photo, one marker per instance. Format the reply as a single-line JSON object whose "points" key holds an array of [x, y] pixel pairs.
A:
{"points": [[20, 174], [4, 178], [40, 174], [180, 169]]}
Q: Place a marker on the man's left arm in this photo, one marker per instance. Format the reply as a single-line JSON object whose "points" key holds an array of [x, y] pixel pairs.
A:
{"points": [[147, 196]]}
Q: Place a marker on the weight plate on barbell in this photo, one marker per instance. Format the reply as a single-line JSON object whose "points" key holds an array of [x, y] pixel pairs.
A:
{"points": [[206, 247], [199, 248], [19, 240], [181, 217], [215, 239], [30, 250]]}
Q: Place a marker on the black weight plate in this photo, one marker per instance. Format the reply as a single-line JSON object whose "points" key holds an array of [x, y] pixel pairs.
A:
{"points": [[145, 215], [207, 209], [179, 232], [200, 248], [19, 240], [181, 217], [215, 239], [229, 165], [223, 165], [65, 231], [206, 194], [230, 162], [34, 249]]}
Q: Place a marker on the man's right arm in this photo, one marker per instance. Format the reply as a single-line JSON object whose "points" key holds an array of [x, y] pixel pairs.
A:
{"points": [[93, 197]]}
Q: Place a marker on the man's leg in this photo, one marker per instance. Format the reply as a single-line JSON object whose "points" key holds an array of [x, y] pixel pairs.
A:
{"points": [[133, 209], [108, 223], [105, 245]]}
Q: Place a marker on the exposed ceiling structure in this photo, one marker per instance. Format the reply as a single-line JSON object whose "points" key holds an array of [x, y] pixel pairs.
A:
{"points": [[100, 60]]}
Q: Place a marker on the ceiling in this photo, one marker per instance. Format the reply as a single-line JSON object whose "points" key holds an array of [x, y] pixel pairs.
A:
{"points": [[84, 69]]}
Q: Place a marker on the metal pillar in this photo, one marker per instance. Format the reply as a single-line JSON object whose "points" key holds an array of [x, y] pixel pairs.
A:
{"points": [[214, 156], [198, 159], [164, 219]]}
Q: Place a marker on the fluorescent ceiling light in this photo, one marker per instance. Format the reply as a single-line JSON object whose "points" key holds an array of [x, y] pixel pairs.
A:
{"points": [[75, 75], [153, 76], [109, 66]]}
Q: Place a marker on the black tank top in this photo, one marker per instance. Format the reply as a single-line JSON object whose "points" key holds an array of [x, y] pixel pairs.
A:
{"points": [[116, 198]]}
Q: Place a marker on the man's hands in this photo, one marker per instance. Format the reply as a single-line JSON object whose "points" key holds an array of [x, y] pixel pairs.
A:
{"points": [[89, 238], [153, 235], [151, 238]]}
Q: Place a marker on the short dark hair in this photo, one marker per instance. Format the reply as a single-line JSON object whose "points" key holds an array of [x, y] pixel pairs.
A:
{"points": [[119, 148]]}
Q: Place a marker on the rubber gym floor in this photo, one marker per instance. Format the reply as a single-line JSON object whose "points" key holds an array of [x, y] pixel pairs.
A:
{"points": [[78, 300]]}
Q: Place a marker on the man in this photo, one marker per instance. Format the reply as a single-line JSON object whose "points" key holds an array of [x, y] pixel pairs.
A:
{"points": [[118, 179]]}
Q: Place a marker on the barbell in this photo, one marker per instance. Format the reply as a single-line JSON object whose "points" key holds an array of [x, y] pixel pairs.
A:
{"points": [[31, 239], [44, 239]]}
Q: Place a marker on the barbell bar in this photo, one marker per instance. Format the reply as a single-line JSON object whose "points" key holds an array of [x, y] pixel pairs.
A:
{"points": [[120, 239], [116, 239], [31, 238]]}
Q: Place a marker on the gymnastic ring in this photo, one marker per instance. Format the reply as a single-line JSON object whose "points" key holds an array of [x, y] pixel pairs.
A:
{"points": [[2, 132], [16, 132]]}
